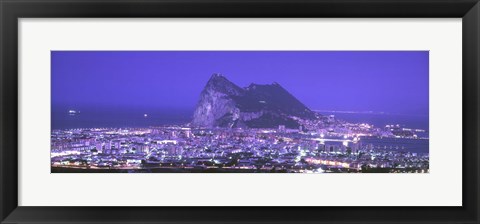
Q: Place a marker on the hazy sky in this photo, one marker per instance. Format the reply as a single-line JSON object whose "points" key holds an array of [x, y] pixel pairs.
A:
{"points": [[387, 81]]}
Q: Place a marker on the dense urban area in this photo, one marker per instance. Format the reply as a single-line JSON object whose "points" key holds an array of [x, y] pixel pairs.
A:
{"points": [[323, 145]]}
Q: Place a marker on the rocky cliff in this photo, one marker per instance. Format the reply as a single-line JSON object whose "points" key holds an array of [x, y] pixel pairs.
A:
{"points": [[224, 104]]}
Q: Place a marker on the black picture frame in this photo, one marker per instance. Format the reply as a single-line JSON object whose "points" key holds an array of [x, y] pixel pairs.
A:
{"points": [[12, 10]]}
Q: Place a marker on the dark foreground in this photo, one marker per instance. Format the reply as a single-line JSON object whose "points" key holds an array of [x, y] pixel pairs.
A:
{"points": [[161, 170], [220, 170]]}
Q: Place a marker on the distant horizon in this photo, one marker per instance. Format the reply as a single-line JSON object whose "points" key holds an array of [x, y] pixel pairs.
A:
{"points": [[121, 118], [95, 108], [274, 82]]}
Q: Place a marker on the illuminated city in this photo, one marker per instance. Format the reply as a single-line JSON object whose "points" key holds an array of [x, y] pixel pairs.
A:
{"points": [[259, 128], [184, 149]]}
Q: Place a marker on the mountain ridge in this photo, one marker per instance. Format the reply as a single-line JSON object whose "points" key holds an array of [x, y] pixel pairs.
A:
{"points": [[224, 104]]}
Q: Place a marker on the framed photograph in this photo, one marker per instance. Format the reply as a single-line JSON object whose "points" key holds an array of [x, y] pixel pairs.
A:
{"points": [[239, 111]]}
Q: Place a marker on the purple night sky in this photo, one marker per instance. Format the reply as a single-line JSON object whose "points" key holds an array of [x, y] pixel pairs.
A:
{"points": [[381, 81]]}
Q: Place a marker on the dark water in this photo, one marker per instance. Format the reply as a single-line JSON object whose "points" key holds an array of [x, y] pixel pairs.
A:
{"points": [[380, 120], [105, 118], [398, 144], [61, 119]]}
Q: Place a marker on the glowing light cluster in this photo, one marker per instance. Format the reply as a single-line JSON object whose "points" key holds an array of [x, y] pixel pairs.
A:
{"points": [[327, 162]]}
